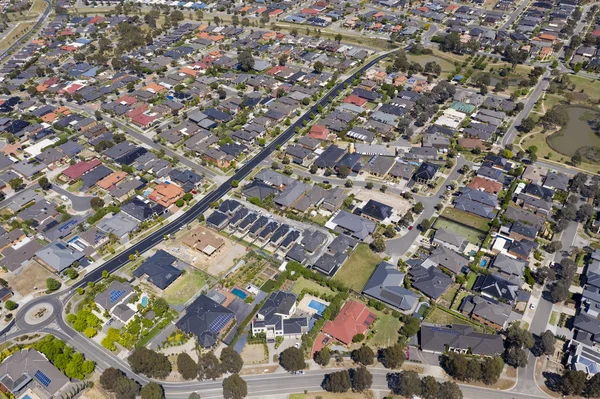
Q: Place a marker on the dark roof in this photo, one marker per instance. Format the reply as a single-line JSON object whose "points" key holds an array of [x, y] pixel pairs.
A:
{"points": [[159, 269], [216, 218], [141, 210], [496, 287], [432, 281], [426, 171], [377, 210], [329, 264], [458, 336], [205, 319], [387, 285]]}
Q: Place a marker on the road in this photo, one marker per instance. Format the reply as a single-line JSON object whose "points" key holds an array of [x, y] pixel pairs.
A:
{"points": [[20, 40], [515, 14], [79, 203]]}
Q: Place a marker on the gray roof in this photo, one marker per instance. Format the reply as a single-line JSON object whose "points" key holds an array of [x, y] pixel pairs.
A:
{"points": [[557, 181], [466, 205], [358, 227], [120, 224], [488, 309], [479, 196], [276, 308], [13, 258], [496, 287], [273, 178], [459, 336], [387, 285], [451, 238], [58, 255], [159, 269], [430, 281], [313, 197], [291, 194], [329, 264], [509, 265], [446, 258], [205, 319], [21, 367], [114, 294], [312, 240]]}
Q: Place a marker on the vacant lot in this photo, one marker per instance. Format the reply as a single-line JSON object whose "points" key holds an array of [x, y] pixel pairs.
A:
{"points": [[467, 219], [470, 234], [185, 287], [304, 284], [32, 275], [253, 354], [422, 59], [358, 268], [386, 331]]}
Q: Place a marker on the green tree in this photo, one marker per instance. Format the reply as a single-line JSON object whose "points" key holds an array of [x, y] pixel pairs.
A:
{"points": [[97, 203], [323, 356], [363, 355], [378, 244], [572, 382], [337, 382], [411, 327], [246, 61], [429, 387], [52, 284], [231, 361], [318, 66], [152, 390], [10, 305], [209, 367], [44, 183], [362, 379], [234, 387], [292, 359], [418, 207], [186, 366], [392, 357], [15, 183], [109, 377]]}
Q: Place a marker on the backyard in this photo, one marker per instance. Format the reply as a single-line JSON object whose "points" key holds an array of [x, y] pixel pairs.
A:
{"points": [[304, 284], [358, 268], [386, 331], [439, 316], [467, 219], [185, 287]]}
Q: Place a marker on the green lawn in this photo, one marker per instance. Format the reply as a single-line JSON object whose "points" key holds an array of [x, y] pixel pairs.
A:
{"points": [[302, 284], [589, 86], [358, 268], [75, 186], [185, 287], [470, 234], [467, 219], [386, 331], [439, 316], [471, 277], [422, 59], [459, 299], [553, 318]]}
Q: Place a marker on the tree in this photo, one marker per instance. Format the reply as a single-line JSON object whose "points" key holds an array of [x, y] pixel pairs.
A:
{"points": [[152, 390], [425, 224], [10, 305], [52, 284], [449, 390], [418, 207], [369, 185], [405, 383], [186, 366], [455, 364], [231, 361], [429, 387], [292, 359], [559, 291], [126, 388], [411, 327], [592, 387], [343, 171], [194, 395], [337, 382], [97, 203], [378, 244], [515, 357], [362, 379], [561, 225], [246, 61], [209, 367], [318, 66], [553, 246], [363, 355], [389, 231], [149, 362], [572, 382], [527, 124], [234, 387], [15, 183], [44, 183], [584, 213], [546, 343], [109, 377], [491, 368], [323, 357], [392, 357], [516, 337]]}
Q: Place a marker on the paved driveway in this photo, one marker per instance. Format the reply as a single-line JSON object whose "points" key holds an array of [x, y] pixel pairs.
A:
{"points": [[78, 202]]}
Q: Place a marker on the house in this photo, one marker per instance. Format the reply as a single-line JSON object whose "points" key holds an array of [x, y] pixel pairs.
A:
{"points": [[328, 263], [508, 266], [584, 357], [334, 199], [522, 231], [459, 338], [159, 269], [376, 211], [274, 318], [141, 209], [354, 318], [430, 281], [115, 300], [58, 256], [486, 311], [386, 284], [217, 220], [425, 173], [450, 240], [488, 186], [493, 286], [447, 259], [21, 368], [166, 194], [556, 181], [121, 225], [351, 224], [522, 248], [206, 319]]}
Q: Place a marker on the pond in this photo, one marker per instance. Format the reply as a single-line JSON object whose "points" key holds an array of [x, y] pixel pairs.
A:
{"points": [[577, 134]]}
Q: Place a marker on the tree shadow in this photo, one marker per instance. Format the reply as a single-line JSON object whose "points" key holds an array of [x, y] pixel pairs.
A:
{"points": [[552, 380]]}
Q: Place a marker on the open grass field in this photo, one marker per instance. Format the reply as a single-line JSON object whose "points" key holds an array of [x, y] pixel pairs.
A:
{"points": [[358, 268], [13, 35], [185, 287], [302, 284], [588, 86], [386, 331], [472, 235], [467, 219], [471, 277], [422, 59]]}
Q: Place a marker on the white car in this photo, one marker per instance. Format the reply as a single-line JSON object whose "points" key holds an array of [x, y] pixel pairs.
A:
{"points": [[532, 306]]}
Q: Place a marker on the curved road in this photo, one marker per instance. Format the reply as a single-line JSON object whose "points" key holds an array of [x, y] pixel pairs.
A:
{"points": [[20, 40]]}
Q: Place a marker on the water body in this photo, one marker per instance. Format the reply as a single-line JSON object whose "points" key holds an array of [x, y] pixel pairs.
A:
{"points": [[577, 134]]}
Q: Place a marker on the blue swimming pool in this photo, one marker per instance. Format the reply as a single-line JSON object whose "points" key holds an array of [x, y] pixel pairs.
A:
{"points": [[239, 293], [144, 301], [318, 306], [483, 262]]}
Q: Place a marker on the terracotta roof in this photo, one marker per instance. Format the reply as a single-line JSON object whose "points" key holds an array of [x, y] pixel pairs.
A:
{"points": [[111, 179], [77, 170], [354, 318], [489, 186]]}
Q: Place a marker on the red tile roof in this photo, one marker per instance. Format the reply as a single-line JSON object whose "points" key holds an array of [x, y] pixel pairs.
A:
{"points": [[354, 318], [489, 186], [80, 168], [356, 100]]}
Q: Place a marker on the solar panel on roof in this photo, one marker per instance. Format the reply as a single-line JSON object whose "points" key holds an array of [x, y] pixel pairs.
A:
{"points": [[42, 378], [116, 294], [220, 322]]}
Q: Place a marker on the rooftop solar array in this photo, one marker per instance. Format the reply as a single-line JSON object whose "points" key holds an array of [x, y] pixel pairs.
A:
{"points": [[116, 294], [41, 377], [219, 323]]}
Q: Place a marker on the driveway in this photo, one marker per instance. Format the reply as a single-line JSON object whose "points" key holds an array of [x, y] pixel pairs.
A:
{"points": [[79, 203]]}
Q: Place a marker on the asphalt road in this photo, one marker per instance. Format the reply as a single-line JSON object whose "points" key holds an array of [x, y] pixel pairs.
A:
{"points": [[79, 203], [20, 41]]}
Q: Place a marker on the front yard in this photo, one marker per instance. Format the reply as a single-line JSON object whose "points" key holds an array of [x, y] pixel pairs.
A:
{"points": [[358, 268], [385, 331]]}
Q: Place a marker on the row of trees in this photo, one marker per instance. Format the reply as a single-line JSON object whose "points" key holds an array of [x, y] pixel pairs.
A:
{"points": [[114, 381], [62, 356], [359, 380], [465, 368], [209, 366], [559, 291], [408, 384]]}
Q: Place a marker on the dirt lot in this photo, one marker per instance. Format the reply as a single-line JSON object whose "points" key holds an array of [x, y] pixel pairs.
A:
{"points": [[32, 275], [215, 265], [254, 354], [398, 203]]}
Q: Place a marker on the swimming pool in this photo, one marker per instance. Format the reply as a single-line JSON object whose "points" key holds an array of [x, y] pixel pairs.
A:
{"points": [[483, 262], [239, 293], [318, 306], [144, 301]]}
